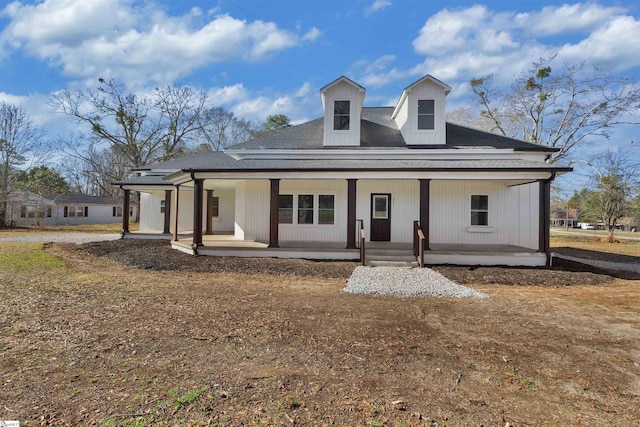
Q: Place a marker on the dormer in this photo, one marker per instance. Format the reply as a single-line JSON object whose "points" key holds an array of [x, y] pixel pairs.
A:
{"points": [[342, 102], [420, 112]]}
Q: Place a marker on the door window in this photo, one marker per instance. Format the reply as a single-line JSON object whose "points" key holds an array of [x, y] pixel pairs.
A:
{"points": [[380, 207]]}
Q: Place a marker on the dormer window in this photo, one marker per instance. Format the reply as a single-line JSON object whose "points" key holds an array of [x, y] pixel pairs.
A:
{"points": [[341, 115], [426, 114]]}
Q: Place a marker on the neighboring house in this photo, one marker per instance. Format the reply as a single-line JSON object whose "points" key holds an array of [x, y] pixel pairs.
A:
{"points": [[25, 208], [564, 218], [385, 173], [28, 209]]}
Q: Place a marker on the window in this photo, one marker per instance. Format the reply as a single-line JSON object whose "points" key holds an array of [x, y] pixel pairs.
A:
{"points": [[285, 209], [341, 115], [479, 210], [326, 209], [426, 114], [76, 211], [311, 209], [380, 206], [23, 211], [49, 211], [305, 209], [216, 207], [163, 206], [117, 211]]}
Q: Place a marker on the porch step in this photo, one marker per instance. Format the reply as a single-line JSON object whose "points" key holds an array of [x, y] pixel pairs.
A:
{"points": [[390, 258], [406, 264]]}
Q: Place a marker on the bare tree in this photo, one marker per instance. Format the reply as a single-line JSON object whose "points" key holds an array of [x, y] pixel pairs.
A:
{"points": [[221, 128], [21, 142], [560, 109], [125, 121], [180, 109]]}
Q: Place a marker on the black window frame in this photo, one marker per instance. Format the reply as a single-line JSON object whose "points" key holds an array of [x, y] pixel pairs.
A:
{"points": [[341, 119], [428, 111]]}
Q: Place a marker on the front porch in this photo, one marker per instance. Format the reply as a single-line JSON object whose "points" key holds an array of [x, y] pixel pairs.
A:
{"points": [[458, 254]]}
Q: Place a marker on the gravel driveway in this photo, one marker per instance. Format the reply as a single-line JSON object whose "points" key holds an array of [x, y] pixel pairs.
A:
{"points": [[62, 238]]}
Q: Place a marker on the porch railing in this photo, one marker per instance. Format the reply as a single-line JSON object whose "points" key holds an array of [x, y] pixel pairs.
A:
{"points": [[418, 243], [361, 240]]}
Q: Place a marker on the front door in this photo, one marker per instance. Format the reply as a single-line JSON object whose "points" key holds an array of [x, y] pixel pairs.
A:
{"points": [[380, 217]]}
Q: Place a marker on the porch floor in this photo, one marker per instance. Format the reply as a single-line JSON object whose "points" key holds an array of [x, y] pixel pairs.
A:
{"points": [[227, 245]]}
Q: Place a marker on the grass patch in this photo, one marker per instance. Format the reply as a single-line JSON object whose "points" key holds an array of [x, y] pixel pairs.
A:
{"points": [[593, 243], [82, 228], [27, 257]]}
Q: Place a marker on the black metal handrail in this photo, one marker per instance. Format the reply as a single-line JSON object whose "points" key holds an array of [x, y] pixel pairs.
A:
{"points": [[361, 240]]}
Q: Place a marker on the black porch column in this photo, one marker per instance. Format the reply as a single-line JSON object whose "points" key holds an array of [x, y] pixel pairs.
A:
{"points": [[273, 213], [126, 205], [167, 211], [351, 213], [543, 221], [175, 217], [209, 229], [424, 211], [197, 215]]}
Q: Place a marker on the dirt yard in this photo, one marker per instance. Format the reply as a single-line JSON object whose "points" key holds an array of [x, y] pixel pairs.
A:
{"points": [[92, 341]]}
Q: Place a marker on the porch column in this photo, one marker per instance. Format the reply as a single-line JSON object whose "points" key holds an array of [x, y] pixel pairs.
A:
{"points": [[209, 212], [273, 213], [167, 211], [424, 211], [197, 215], [126, 205], [543, 221], [175, 216], [351, 213]]}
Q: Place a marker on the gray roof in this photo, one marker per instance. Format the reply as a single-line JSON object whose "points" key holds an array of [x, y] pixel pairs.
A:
{"points": [[152, 179], [379, 130], [288, 165], [73, 199]]}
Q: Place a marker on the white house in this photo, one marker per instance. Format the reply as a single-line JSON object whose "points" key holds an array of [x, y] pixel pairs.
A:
{"points": [[27, 209], [376, 176]]}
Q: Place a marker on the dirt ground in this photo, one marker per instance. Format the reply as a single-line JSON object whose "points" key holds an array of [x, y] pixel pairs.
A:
{"points": [[101, 343]]}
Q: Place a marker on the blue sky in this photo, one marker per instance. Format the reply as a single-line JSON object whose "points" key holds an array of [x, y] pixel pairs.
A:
{"points": [[258, 58]]}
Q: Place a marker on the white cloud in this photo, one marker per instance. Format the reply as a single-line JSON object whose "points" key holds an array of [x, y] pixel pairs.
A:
{"points": [[227, 94], [112, 36], [312, 34], [459, 44], [376, 6]]}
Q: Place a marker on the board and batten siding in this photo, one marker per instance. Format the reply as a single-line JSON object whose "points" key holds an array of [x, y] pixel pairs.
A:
{"points": [[408, 119], [405, 205], [342, 92], [152, 220], [513, 217], [336, 232], [252, 210]]}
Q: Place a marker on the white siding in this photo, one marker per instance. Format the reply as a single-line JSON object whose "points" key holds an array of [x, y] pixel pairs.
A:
{"points": [[407, 117], [342, 91], [252, 210], [524, 215], [150, 217], [405, 205], [225, 221], [316, 232], [512, 213]]}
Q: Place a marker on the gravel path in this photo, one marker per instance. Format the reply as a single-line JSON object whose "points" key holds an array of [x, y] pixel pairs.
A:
{"points": [[62, 238], [406, 283]]}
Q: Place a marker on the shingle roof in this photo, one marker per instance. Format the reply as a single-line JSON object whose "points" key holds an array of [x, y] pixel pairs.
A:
{"points": [[86, 200], [379, 130]]}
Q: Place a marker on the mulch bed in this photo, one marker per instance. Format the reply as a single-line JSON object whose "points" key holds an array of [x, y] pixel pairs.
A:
{"points": [[158, 255]]}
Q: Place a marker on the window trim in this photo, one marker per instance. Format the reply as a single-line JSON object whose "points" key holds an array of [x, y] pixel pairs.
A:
{"points": [[340, 115], [472, 210], [316, 208], [428, 114]]}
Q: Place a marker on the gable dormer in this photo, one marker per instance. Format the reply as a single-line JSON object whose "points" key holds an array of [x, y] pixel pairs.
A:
{"points": [[420, 112], [342, 102]]}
